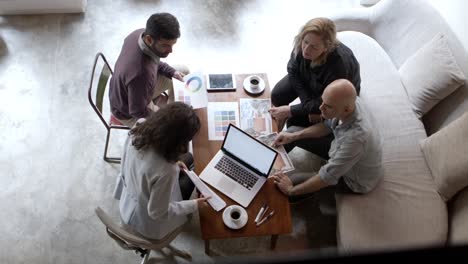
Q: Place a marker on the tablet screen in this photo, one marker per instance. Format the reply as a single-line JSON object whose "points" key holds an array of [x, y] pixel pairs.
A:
{"points": [[221, 82]]}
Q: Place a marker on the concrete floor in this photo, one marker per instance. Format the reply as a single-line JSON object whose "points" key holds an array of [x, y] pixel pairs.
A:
{"points": [[51, 142]]}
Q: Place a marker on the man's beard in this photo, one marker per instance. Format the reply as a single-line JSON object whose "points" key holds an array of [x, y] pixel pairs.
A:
{"points": [[158, 53]]}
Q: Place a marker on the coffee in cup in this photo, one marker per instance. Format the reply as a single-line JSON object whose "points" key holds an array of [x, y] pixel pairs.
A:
{"points": [[235, 214], [254, 82]]}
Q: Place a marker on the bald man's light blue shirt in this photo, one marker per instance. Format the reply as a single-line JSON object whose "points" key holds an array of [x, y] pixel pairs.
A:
{"points": [[355, 153]]}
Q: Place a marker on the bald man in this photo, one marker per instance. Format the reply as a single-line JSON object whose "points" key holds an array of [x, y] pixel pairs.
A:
{"points": [[354, 165]]}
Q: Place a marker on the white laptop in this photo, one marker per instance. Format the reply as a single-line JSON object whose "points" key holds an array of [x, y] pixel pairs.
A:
{"points": [[240, 168]]}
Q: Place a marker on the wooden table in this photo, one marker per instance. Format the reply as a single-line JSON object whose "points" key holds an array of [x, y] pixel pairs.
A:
{"points": [[211, 222]]}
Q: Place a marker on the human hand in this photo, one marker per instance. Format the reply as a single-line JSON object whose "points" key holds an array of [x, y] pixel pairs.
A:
{"points": [[182, 165], [160, 101], [202, 201], [280, 112], [283, 138], [283, 182], [179, 76], [315, 118]]}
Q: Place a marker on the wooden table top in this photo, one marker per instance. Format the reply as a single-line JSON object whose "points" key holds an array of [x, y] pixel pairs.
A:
{"points": [[203, 149], [211, 222]]}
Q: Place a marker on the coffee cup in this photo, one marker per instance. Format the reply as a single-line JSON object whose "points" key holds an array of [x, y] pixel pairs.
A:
{"points": [[254, 82], [235, 214]]}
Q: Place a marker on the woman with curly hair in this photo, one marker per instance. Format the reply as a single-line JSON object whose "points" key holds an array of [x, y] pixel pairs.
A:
{"points": [[153, 188]]}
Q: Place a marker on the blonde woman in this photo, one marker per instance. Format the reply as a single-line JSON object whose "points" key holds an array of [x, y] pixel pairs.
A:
{"points": [[317, 59]]}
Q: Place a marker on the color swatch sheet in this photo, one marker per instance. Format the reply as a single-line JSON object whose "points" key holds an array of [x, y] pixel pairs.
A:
{"points": [[220, 115]]}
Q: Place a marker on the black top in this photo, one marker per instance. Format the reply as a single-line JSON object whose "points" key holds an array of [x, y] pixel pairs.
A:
{"points": [[309, 83]]}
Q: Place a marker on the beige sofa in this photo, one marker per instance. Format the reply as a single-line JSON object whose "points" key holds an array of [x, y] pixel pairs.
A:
{"points": [[16, 7], [406, 209]]}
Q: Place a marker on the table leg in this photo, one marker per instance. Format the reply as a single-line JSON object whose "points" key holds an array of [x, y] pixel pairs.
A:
{"points": [[274, 239], [207, 247]]}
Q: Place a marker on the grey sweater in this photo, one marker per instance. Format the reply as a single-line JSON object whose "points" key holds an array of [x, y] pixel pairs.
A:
{"points": [[149, 192]]}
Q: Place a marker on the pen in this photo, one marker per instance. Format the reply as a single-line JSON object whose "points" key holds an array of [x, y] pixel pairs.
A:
{"points": [[260, 213], [266, 218], [263, 213]]}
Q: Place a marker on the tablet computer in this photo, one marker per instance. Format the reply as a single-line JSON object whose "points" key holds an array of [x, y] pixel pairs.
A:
{"points": [[221, 82]]}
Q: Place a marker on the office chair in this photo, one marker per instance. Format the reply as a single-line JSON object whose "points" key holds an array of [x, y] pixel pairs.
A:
{"points": [[97, 103], [130, 241]]}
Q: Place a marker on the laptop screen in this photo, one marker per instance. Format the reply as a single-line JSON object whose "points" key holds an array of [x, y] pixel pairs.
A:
{"points": [[248, 150]]}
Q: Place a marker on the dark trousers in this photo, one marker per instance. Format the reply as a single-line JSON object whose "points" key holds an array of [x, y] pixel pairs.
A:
{"points": [[326, 196], [319, 146], [283, 94], [186, 185]]}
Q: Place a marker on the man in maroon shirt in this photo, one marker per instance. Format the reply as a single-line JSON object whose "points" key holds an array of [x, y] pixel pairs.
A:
{"points": [[140, 79]]}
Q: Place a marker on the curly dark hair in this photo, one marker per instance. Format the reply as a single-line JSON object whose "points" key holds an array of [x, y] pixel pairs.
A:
{"points": [[168, 131], [162, 26]]}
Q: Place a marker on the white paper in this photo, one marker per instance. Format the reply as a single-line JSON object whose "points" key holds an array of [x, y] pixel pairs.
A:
{"points": [[254, 116], [220, 115], [192, 91], [283, 162], [215, 201]]}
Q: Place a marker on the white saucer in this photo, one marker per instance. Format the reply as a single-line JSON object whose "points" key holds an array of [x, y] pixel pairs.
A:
{"points": [[248, 88], [235, 225]]}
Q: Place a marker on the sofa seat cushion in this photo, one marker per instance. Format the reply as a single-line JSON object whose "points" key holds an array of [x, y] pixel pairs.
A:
{"points": [[458, 208], [404, 210]]}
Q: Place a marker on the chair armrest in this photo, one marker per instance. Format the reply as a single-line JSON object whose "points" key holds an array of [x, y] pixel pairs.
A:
{"points": [[356, 19]]}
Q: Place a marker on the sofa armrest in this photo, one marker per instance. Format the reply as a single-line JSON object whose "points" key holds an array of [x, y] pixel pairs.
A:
{"points": [[356, 19]]}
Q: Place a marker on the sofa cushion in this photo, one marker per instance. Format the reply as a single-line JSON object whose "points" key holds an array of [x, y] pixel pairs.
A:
{"points": [[445, 153], [430, 75], [405, 209], [458, 233]]}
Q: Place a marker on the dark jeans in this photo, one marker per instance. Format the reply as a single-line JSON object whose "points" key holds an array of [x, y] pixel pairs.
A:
{"points": [[327, 194], [186, 185], [319, 146], [283, 93]]}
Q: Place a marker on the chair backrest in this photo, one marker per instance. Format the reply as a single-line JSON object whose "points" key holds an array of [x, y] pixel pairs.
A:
{"points": [[129, 240], [105, 72]]}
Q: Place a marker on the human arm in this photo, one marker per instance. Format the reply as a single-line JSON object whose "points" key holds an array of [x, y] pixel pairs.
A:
{"points": [[137, 99], [179, 76], [314, 131], [298, 77], [349, 152], [169, 72], [163, 203], [281, 112], [166, 70], [340, 64], [315, 118], [285, 185]]}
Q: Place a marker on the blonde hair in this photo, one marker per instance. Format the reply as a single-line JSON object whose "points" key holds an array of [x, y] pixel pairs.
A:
{"points": [[322, 27]]}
